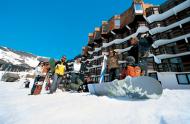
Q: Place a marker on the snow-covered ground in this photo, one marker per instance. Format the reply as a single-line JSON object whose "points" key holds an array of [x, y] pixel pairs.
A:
{"points": [[17, 107]]}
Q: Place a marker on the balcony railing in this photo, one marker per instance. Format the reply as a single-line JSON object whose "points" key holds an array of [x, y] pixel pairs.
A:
{"points": [[170, 4], [169, 67], [172, 48]]}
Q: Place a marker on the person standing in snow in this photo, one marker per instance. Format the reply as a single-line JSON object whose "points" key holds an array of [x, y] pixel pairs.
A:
{"points": [[113, 65], [77, 75], [87, 80], [131, 68], [60, 68], [38, 75], [134, 51], [27, 83], [140, 49]]}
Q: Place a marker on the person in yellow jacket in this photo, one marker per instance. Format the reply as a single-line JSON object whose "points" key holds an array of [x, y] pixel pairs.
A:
{"points": [[60, 68]]}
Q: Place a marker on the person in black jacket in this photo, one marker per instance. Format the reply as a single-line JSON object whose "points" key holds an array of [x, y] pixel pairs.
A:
{"points": [[77, 77], [134, 51], [140, 50]]}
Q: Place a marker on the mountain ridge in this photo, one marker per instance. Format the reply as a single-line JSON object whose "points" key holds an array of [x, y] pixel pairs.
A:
{"points": [[15, 60]]}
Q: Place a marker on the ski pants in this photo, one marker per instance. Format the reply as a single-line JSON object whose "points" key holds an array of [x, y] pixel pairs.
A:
{"points": [[144, 66], [56, 81], [76, 81], [114, 74]]}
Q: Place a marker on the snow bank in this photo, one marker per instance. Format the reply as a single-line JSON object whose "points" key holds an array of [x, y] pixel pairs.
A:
{"points": [[16, 107]]}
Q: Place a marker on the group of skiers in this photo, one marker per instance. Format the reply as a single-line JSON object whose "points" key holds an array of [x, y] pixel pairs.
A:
{"points": [[53, 76], [136, 65], [136, 61]]}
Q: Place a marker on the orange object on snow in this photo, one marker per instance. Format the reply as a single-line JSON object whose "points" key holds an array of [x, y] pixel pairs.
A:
{"points": [[37, 89], [133, 71]]}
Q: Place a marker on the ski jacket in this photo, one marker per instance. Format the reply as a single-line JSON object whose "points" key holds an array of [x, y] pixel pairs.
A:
{"points": [[77, 67], [140, 50], [134, 51], [113, 62], [133, 71], [60, 69]]}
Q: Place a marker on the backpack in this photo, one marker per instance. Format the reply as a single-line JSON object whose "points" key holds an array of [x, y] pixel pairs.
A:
{"points": [[133, 71]]}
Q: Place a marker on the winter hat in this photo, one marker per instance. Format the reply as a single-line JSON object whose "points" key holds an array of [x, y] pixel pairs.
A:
{"points": [[130, 60], [64, 56]]}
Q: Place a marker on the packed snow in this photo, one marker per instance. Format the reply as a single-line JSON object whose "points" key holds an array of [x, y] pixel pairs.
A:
{"points": [[17, 107]]}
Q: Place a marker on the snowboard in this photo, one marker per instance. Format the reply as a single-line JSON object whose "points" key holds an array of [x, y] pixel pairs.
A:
{"points": [[38, 89], [138, 87], [38, 86], [52, 65]]}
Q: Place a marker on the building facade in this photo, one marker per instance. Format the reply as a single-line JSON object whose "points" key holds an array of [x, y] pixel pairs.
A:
{"points": [[169, 26]]}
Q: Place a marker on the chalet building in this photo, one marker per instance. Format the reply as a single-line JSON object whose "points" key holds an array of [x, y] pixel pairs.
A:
{"points": [[169, 26]]}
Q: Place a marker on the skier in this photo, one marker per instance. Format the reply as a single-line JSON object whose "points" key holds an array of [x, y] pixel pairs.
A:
{"points": [[60, 68], [113, 65], [39, 76], [87, 80], [131, 69], [140, 49], [77, 75], [27, 83]]}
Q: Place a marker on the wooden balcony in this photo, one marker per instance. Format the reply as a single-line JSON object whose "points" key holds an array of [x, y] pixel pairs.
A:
{"points": [[183, 14], [169, 4], [170, 20], [85, 51], [169, 67], [182, 46], [127, 17], [90, 38], [105, 29], [115, 24], [186, 28], [156, 24], [97, 35], [175, 32], [118, 46], [152, 10]]}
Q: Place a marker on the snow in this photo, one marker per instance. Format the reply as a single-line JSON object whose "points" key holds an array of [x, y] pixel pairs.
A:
{"points": [[33, 62], [162, 29], [17, 59], [160, 42], [166, 56], [170, 12], [16, 107]]}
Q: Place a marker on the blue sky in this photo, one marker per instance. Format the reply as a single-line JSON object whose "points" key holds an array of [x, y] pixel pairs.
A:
{"points": [[54, 28]]}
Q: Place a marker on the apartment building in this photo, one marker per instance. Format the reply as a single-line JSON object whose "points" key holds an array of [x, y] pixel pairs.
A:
{"points": [[169, 26]]}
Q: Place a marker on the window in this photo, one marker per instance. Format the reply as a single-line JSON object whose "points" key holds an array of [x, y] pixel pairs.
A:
{"points": [[117, 23], [105, 28], [156, 11], [175, 60], [183, 79], [138, 6]]}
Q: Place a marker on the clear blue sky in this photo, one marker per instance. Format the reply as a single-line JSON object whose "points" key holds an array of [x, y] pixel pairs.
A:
{"points": [[54, 28]]}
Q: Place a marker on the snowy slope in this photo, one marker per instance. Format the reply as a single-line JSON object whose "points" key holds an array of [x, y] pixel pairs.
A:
{"points": [[16, 107], [18, 58]]}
